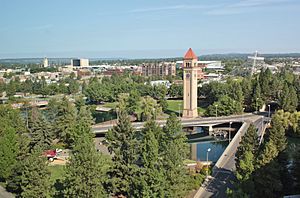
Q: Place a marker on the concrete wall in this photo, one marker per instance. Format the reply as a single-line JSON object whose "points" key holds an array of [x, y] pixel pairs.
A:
{"points": [[232, 146]]}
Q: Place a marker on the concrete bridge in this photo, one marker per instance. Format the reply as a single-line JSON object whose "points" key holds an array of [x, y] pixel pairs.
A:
{"points": [[203, 122], [217, 184]]}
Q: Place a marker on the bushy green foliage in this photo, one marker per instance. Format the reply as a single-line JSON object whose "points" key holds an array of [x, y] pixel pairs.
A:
{"points": [[85, 172], [8, 149], [35, 176], [148, 163], [40, 130], [123, 144], [65, 122], [11, 126], [224, 106]]}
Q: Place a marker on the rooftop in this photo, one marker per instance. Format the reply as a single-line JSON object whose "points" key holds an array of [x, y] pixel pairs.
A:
{"points": [[190, 54]]}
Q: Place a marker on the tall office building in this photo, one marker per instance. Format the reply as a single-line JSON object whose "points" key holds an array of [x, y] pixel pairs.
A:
{"points": [[80, 62]]}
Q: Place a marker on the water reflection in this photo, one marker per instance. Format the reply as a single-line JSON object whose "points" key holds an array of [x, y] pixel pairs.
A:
{"points": [[199, 150], [200, 142]]}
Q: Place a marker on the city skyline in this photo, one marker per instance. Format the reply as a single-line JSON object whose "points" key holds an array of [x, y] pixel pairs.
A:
{"points": [[135, 29]]}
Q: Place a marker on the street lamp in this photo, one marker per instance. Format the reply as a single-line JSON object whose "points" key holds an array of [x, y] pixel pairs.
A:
{"points": [[269, 111], [257, 104], [230, 123], [117, 111], [208, 150]]}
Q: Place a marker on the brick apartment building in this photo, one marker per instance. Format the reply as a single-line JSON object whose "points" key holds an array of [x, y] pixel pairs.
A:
{"points": [[159, 69]]}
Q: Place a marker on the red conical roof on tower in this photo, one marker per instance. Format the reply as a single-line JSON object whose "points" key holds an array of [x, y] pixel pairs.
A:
{"points": [[190, 54]]}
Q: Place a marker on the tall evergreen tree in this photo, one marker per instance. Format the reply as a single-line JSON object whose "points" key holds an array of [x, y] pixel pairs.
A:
{"points": [[174, 151], [277, 133], [247, 90], [269, 152], [245, 166], [245, 159], [288, 98], [150, 180], [85, 172], [35, 176], [257, 100], [265, 79], [15, 180], [123, 144], [8, 149], [40, 130], [267, 181], [296, 171], [79, 102], [11, 126], [52, 111], [65, 122]]}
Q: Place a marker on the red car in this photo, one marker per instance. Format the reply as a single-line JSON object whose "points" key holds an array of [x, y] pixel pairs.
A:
{"points": [[51, 154]]}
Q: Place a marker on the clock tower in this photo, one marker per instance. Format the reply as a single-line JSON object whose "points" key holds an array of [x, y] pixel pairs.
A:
{"points": [[190, 85]]}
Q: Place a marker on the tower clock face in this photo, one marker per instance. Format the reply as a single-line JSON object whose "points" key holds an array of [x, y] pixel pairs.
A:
{"points": [[187, 75]]}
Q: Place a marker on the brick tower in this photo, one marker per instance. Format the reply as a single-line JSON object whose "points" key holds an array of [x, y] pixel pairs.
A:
{"points": [[190, 69]]}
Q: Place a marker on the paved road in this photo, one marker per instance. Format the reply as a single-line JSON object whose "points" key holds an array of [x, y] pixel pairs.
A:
{"points": [[5, 194], [185, 122], [222, 175]]}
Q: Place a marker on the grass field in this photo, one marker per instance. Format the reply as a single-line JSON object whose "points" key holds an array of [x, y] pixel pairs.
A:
{"points": [[57, 173], [175, 105], [110, 105]]}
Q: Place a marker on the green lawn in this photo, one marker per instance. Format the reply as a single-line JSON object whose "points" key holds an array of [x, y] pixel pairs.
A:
{"points": [[57, 172], [110, 105], [174, 105]]}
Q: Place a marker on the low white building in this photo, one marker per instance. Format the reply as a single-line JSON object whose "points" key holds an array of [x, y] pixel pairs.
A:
{"points": [[161, 82]]}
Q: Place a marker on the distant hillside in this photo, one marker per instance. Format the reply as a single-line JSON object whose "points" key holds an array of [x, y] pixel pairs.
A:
{"points": [[64, 61]]}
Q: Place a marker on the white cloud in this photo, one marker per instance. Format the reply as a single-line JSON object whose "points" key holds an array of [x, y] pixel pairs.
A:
{"points": [[244, 6], [174, 7]]}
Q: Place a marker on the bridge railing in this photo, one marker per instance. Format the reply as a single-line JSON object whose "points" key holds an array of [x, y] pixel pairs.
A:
{"points": [[232, 145]]}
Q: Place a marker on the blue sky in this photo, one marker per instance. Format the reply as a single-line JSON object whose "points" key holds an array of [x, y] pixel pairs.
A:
{"points": [[140, 28]]}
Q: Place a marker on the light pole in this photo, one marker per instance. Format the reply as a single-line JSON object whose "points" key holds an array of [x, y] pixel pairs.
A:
{"points": [[269, 111], [262, 124], [257, 104], [208, 150], [230, 123], [117, 111]]}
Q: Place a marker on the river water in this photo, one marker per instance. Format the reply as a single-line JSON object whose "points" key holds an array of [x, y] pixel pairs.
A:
{"points": [[199, 147]]}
